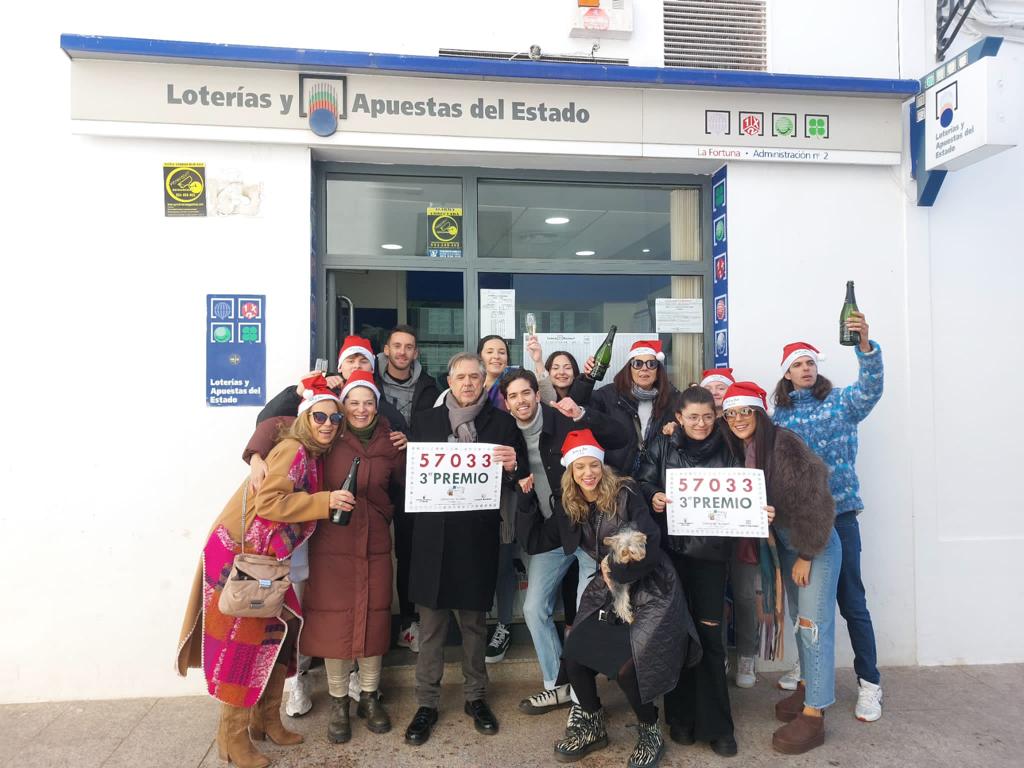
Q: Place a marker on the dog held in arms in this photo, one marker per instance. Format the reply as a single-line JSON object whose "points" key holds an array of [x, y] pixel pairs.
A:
{"points": [[627, 546]]}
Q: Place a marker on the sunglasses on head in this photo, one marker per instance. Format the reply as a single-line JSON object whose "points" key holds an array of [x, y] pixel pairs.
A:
{"points": [[641, 364], [321, 418]]}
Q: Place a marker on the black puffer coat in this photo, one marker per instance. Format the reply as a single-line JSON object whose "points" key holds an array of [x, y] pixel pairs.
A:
{"points": [[662, 636], [677, 451]]}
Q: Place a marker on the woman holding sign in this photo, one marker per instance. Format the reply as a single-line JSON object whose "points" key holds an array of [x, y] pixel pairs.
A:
{"points": [[347, 600], [597, 508], [698, 708], [809, 553]]}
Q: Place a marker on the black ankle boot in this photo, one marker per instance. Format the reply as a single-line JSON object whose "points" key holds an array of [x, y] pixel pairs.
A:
{"points": [[371, 708], [339, 727], [586, 733]]}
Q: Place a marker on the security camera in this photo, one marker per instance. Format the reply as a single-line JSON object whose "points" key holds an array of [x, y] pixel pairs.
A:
{"points": [[534, 52]]}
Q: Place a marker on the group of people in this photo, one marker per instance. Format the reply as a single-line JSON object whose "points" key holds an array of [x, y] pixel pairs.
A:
{"points": [[583, 471]]}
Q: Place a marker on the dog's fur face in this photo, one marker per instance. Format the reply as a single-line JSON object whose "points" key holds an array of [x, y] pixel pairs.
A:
{"points": [[627, 546]]}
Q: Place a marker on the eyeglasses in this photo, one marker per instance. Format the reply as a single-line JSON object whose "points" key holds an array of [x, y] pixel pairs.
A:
{"points": [[638, 365], [706, 419], [321, 418], [734, 413]]}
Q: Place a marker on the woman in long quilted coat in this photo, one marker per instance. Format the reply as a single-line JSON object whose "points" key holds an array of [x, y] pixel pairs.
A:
{"points": [[643, 656]]}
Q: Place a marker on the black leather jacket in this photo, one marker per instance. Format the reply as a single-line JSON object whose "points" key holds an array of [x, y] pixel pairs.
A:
{"points": [[679, 452]]}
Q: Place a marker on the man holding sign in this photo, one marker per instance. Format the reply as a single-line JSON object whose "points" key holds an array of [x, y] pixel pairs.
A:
{"points": [[455, 551]]}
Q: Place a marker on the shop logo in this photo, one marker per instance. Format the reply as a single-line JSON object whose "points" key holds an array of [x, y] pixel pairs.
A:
{"points": [[222, 333], [721, 343], [783, 124], [720, 268], [752, 123], [249, 309], [719, 230], [717, 123], [322, 102], [721, 309], [946, 104], [816, 126]]}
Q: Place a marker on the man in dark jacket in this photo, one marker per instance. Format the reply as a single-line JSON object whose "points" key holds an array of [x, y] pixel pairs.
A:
{"points": [[455, 554], [544, 428]]}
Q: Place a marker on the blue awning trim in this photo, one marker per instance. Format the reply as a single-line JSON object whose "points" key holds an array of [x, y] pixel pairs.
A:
{"points": [[91, 46]]}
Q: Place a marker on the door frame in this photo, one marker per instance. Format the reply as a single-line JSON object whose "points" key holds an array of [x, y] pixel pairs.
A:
{"points": [[471, 264]]}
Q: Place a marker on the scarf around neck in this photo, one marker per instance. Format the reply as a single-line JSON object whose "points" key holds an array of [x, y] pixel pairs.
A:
{"points": [[363, 433], [642, 394], [461, 417]]}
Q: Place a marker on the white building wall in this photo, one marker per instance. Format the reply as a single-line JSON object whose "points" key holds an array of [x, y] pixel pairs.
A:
{"points": [[102, 304]]}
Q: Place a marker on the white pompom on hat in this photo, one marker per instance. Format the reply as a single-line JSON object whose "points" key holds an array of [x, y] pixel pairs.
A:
{"points": [[580, 443], [357, 345], [649, 347], [793, 352], [315, 389]]}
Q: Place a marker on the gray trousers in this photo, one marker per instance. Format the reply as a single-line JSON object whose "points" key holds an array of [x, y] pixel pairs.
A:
{"points": [[745, 582], [430, 661]]}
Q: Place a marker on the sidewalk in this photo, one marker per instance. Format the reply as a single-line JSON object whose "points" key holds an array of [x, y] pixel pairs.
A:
{"points": [[934, 716]]}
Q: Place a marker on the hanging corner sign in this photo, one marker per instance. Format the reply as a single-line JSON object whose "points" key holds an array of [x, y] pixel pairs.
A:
{"points": [[716, 502], [236, 357], [444, 240], [451, 477]]}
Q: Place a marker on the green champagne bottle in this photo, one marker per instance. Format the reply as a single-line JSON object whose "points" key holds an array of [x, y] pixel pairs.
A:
{"points": [[847, 337], [603, 356]]}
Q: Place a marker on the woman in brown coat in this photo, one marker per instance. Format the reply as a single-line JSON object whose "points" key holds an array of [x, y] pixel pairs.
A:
{"points": [[246, 660], [347, 602]]}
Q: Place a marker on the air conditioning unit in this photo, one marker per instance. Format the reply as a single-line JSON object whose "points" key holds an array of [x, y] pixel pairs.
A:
{"points": [[610, 19]]}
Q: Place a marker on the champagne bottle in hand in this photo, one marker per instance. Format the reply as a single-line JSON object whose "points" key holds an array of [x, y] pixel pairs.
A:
{"points": [[847, 337], [603, 356], [343, 516]]}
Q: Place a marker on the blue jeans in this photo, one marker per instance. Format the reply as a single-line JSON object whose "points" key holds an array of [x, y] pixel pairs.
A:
{"points": [[544, 574], [817, 603], [853, 604]]}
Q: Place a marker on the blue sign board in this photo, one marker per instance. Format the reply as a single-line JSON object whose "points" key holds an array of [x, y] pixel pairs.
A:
{"points": [[720, 273], [236, 356]]}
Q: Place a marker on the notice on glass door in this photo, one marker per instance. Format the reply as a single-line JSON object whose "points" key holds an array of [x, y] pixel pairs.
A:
{"points": [[679, 315], [498, 312]]}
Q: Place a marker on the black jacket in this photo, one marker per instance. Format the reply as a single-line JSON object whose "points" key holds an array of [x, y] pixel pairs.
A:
{"points": [[662, 635], [454, 561], [679, 452], [286, 403], [424, 393], [622, 408], [554, 429]]}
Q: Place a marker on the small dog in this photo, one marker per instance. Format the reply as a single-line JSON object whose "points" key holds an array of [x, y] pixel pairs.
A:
{"points": [[627, 546]]}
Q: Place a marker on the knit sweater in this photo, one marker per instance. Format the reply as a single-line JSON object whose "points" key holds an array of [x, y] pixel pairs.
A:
{"points": [[829, 426]]}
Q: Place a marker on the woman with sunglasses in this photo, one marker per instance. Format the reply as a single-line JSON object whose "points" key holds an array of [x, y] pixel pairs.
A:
{"points": [[642, 656], [347, 601], [246, 660], [640, 397], [698, 708], [809, 554]]}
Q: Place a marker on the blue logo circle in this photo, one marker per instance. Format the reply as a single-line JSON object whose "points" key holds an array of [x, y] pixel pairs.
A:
{"points": [[323, 122], [946, 117]]}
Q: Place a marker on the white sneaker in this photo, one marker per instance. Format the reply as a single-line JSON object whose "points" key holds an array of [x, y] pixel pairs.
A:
{"points": [[791, 680], [746, 674], [410, 637], [547, 700], [869, 702], [299, 702]]}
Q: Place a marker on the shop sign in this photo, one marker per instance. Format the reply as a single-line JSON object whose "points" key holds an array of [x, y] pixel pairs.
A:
{"points": [[236, 356], [444, 240], [184, 189]]}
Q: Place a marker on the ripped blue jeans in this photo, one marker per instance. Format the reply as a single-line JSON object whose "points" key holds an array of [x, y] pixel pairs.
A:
{"points": [[814, 605]]}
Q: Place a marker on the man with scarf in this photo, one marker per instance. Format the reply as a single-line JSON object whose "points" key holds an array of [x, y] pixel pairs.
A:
{"points": [[455, 554], [545, 427]]}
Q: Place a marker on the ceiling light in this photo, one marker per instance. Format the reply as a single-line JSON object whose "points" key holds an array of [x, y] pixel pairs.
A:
{"points": [[584, 253], [391, 246], [647, 250], [557, 220]]}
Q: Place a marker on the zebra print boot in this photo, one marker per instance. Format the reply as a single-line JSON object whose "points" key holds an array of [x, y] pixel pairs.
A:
{"points": [[587, 734], [649, 747]]}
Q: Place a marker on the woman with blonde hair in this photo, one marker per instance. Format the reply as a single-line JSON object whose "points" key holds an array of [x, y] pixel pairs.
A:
{"points": [[597, 511], [246, 660]]}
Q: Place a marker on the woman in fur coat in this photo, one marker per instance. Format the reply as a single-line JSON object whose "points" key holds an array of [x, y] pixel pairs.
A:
{"points": [[809, 554]]}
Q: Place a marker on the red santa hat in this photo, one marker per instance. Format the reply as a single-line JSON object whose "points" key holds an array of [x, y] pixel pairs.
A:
{"points": [[745, 394], [717, 375], [580, 443], [315, 389], [360, 379], [793, 352], [357, 345], [651, 347]]}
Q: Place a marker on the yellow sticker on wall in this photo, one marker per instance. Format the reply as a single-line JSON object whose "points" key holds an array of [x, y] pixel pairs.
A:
{"points": [[184, 189]]}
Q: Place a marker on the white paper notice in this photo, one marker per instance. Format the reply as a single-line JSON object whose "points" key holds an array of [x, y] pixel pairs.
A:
{"points": [[451, 477], [716, 502], [679, 315], [498, 312]]}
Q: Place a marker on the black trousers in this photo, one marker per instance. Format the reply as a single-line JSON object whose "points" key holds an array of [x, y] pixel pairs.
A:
{"points": [[403, 556], [700, 699], [584, 684]]}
